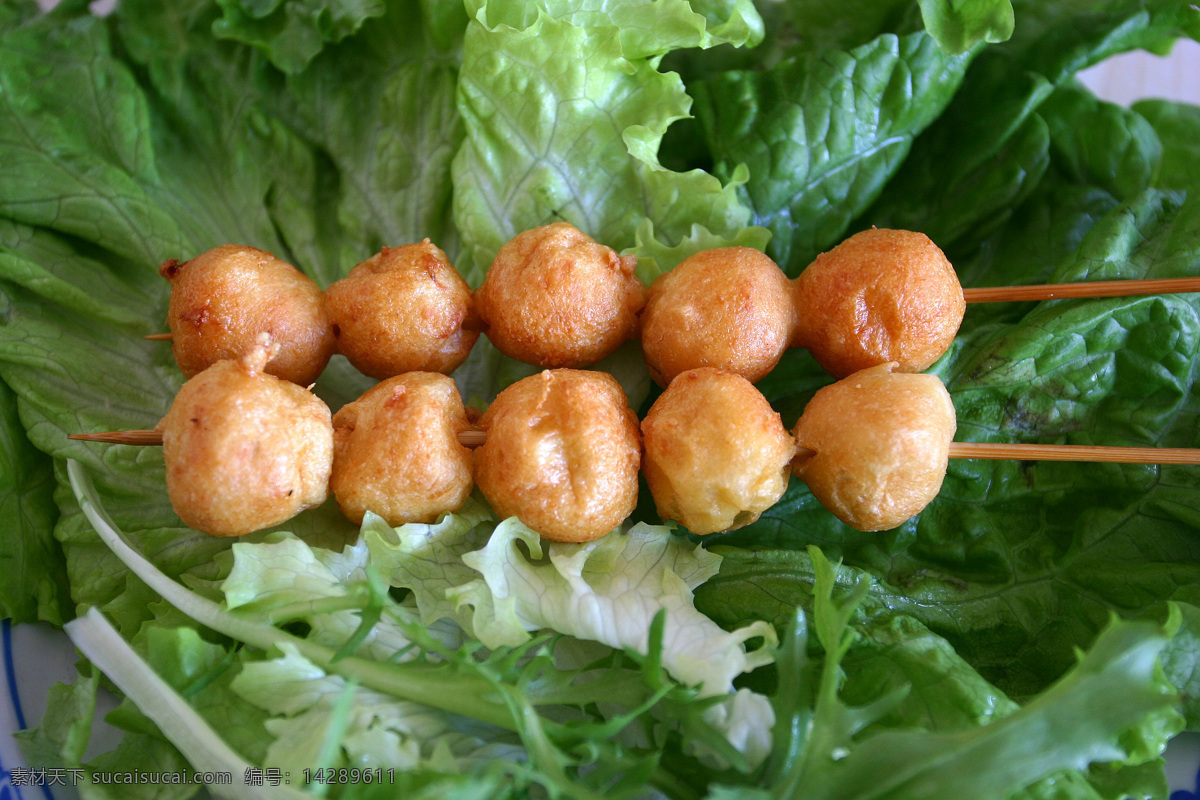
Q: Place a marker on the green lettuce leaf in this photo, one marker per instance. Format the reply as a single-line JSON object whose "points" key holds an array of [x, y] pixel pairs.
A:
{"points": [[988, 152], [292, 32], [501, 584], [821, 134], [377, 732], [553, 135], [1178, 129], [38, 589], [843, 749], [1102, 144], [958, 25], [328, 701]]}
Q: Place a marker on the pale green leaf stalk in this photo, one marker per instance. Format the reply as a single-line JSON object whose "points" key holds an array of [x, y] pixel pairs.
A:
{"points": [[97, 639]]}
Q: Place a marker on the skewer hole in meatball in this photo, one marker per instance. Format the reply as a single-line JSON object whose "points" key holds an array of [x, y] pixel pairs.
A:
{"points": [[874, 446], [222, 299], [245, 450], [880, 296], [717, 455], [554, 297], [562, 454], [402, 310], [731, 308], [397, 453]]}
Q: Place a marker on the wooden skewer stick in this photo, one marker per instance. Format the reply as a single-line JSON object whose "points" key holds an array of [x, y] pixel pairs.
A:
{"points": [[994, 451], [1059, 291], [1074, 452], [468, 438], [160, 337]]}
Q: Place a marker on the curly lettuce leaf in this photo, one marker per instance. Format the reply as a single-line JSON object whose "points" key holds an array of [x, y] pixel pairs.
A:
{"points": [[958, 25], [375, 732], [565, 111], [501, 584], [654, 257], [347, 699], [292, 32]]}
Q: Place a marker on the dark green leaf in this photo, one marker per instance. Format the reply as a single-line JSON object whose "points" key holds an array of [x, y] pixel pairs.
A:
{"points": [[1178, 128], [822, 133]]}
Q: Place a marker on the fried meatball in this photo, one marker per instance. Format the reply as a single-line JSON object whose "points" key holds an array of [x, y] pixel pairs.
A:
{"points": [[554, 297], [402, 310], [222, 299], [879, 296], [730, 308], [245, 450], [717, 454], [562, 454], [873, 447], [396, 450]]}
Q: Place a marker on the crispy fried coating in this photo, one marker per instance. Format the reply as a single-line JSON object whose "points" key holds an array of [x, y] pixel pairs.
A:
{"points": [[245, 450], [731, 308], [874, 446], [554, 297], [562, 454], [717, 454], [402, 310], [879, 296], [396, 450], [222, 299]]}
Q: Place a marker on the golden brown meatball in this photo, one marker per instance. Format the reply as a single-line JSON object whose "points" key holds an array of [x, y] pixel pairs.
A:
{"points": [[879, 296], [245, 450], [222, 299], [562, 454], [402, 310], [554, 297], [879, 442], [396, 450], [730, 308], [717, 454]]}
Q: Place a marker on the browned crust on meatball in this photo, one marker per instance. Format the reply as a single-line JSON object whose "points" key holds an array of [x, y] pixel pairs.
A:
{"points": [[402, 310], [716, 454], [562, 454], [245, 450], [397, 453], [730, 308], [222, 299], [554, 297], [880, 296], [874, 446]]}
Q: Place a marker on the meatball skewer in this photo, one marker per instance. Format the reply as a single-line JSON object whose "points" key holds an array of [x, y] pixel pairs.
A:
{"points": [[990, 451], [556, 298], [561, 451]]}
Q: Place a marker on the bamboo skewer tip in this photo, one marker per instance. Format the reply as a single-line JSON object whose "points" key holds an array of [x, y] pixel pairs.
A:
{"points": [[1083, 289]]}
